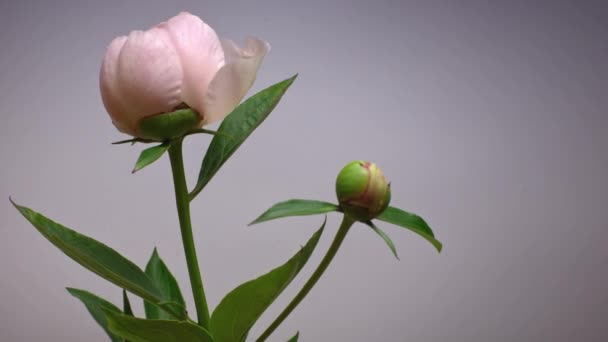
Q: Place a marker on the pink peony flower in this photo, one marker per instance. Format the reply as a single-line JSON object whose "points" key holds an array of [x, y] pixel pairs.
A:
{"points": [[177, 63]]}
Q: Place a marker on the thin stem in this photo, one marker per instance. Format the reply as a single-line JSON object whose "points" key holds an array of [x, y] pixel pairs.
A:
{"points": [[183, 211], [331, 252]]}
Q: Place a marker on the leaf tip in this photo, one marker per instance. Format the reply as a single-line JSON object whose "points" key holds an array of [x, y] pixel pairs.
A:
{"points": [[17, 206], [155, 254], [439, 246]]}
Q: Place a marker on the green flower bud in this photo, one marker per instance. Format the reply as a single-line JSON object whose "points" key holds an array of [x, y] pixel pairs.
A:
{"points": [[362, 190]]}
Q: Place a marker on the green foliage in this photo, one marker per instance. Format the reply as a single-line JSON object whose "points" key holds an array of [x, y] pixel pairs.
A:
{"points": [[410, 221], [296, 207], [100, 259], [96, 307], [236, 128], [160, 275], [384, 237], [147, 330], [150, 155], [241, 308], [126, 304]]}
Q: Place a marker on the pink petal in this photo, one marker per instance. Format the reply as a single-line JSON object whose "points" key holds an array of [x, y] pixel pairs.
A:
{"points": [[108, 85], [234, 79], [201, 55], [149, 75]]}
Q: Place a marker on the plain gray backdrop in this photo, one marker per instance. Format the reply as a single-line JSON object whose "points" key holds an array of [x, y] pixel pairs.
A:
{"points": [[489, 117]]}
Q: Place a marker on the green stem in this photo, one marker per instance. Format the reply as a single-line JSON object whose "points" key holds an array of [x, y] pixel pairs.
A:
{"points": [[331, 252], [183, 211]]}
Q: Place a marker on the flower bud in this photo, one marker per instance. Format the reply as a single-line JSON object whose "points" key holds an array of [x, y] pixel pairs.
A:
{"points": [[362, 190], [178, 64]]}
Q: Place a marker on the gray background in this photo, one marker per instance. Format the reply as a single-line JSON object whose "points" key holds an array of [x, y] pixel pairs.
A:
{"points": [[488, 117]]}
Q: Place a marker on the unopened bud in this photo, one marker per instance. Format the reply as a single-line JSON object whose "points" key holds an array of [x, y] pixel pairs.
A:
{"points": [[362, 190]]}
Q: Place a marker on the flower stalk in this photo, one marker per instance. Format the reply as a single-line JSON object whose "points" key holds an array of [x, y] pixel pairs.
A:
{"points": [[183, 211], [347, 222]]}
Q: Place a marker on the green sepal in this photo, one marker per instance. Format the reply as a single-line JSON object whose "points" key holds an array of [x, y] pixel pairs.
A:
{"points": [[133, 141], [236, 128], [241, 308], [384, 237], [296, 207], [148, 330], [150, 155], [96, 306], [160, 275], [412, 222], [168, 126], [99, 259]]}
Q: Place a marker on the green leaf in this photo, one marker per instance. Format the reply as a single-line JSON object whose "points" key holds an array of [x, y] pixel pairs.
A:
{"points": [[126, 305], [410, 221], [98, 258], [296, 207], [295, 337], [235, 129], [96, 307], [385, 237], [148, 330], [150, 155], [241, 308], [163, 279]]}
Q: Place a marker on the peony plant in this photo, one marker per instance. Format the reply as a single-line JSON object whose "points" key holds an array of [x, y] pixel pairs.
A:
{"points": [[160, 86]]}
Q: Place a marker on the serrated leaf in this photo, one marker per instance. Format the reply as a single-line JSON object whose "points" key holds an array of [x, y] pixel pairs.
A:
{"points": [[296, 207], [236, 128], [150, 155], [384, 237], [295, 337], [163, 279], [147, 330], [98, 258], [96, 306], [241, 308], [410, 221]]}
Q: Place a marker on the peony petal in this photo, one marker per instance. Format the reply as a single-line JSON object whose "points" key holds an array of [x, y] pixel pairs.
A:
{"points": [[200, 52], [232, 81], [149, 75], [108, 84]]}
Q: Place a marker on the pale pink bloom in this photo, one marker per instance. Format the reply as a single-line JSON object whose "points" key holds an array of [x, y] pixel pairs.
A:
{"points": [[177, 62]]}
